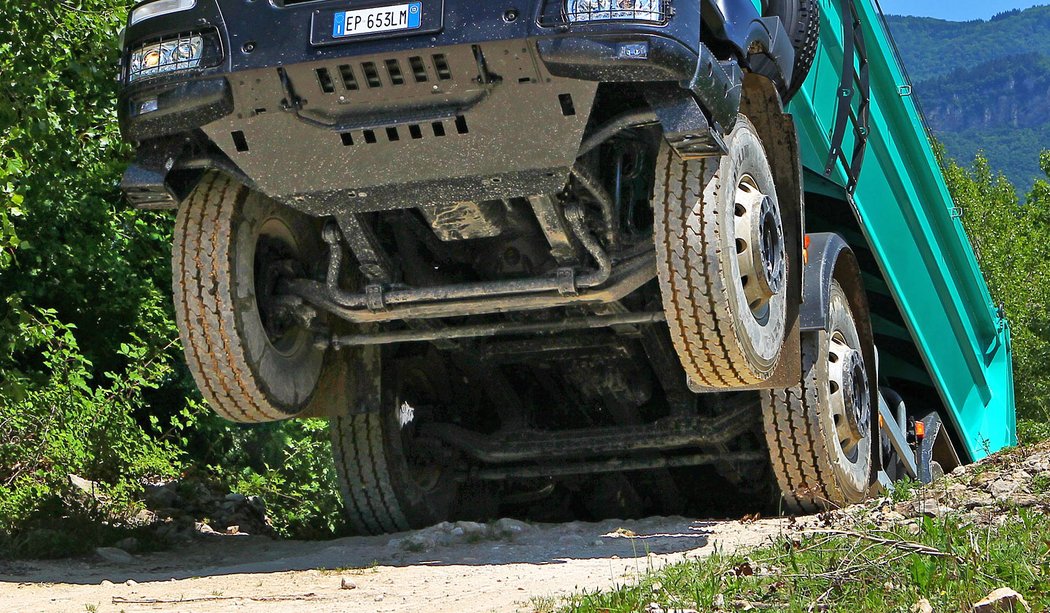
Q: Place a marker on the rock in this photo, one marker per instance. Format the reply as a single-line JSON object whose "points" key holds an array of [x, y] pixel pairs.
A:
{"points": [[106, 583], [976, 499], [1003, 488], [162, 496], [571, 540], [935, 509], [923, 606], [469, 529], [130, 544], [512, 527], [982, 479], [236, 498], [86, 486], [144, 518], [1025, 500], [114, 555], [1002, 600], [906, 508], [719, 601], [346, 584], [131, 583], [203, 528], [233, 530], [892, 517], [420, 541], [258, 504]]}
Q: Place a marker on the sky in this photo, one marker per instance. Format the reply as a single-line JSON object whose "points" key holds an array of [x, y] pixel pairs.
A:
{"points": [[955, 10]]}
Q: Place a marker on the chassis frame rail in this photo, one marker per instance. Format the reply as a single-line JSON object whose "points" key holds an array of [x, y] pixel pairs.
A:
{"points": [[667, 434]]}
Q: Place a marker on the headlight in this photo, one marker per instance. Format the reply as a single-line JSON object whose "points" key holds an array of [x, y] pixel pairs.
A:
{"points": [[160, 7], [596, 10], [182, 53]]}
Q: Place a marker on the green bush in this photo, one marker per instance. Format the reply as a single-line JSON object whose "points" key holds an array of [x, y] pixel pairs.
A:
{"points": [[1012, 243], [54, 424], [289, 465], [95, 276]]}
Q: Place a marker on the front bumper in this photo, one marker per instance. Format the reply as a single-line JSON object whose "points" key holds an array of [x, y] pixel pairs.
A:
{"points": [[261, 35]]}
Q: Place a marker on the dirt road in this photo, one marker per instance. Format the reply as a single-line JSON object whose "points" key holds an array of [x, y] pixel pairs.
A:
{"points": [[445, 569]]}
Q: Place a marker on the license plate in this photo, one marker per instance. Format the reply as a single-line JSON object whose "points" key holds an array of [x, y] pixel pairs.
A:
{"points": [[375, 20]]}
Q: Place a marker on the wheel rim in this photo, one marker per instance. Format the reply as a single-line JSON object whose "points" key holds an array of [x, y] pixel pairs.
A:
{"points": [[849, 400], [414, 399], [846, 403], [760, 250], [277, 256]]}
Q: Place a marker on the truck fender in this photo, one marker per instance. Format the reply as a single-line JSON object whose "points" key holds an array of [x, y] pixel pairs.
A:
{"points": [[166, 170], [824, 253], [739, 24]]}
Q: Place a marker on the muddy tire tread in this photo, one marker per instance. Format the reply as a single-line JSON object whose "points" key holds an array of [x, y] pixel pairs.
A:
{"points": [[797, 444], [693, 296], [203, 292], [364, 477]]}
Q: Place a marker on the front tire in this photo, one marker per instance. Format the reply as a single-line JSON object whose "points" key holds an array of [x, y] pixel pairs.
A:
{"points": [[249, 367], [801, 19], [722, 261]]}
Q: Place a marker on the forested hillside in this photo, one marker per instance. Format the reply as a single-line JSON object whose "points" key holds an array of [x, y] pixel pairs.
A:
{"points": [[985, 85]]}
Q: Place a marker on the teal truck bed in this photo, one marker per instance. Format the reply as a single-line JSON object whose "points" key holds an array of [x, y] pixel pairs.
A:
{"points": [[913, 227]]}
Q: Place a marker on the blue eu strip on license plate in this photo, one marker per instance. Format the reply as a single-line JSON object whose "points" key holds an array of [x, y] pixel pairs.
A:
{"points": [[377, 20]]}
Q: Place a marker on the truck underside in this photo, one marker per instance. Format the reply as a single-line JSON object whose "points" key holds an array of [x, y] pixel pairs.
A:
{"points": [[541, 254]]}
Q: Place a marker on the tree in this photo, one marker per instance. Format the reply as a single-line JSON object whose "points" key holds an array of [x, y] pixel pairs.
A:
{"points": [[1012, 243]]}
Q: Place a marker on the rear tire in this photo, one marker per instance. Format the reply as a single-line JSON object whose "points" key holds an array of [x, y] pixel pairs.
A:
{"points": [[820, 432], [225, 237], [386, 485], [721, 261]]}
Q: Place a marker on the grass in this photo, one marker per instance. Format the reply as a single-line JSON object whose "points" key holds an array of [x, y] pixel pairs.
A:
{"points": [[904, 489], [352, 570], [544, 604], [950, 565], [1041, 484]]}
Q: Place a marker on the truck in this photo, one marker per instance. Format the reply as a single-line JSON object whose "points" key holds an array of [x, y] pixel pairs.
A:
{"points": [[519, 250]]}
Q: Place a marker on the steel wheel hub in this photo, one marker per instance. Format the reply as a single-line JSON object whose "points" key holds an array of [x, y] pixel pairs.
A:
{"points": [[759, 246], [850, 397]]}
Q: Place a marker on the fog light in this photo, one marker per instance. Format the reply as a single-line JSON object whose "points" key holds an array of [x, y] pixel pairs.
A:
{"points": [[183, 53], [601, 10]]}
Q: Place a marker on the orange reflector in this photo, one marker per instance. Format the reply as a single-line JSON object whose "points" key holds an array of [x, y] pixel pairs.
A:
{"points": [[920, 430], [805, 250]]}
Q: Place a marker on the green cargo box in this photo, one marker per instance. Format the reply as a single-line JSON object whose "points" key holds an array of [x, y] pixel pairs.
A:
{"points": [[912, 225]]}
